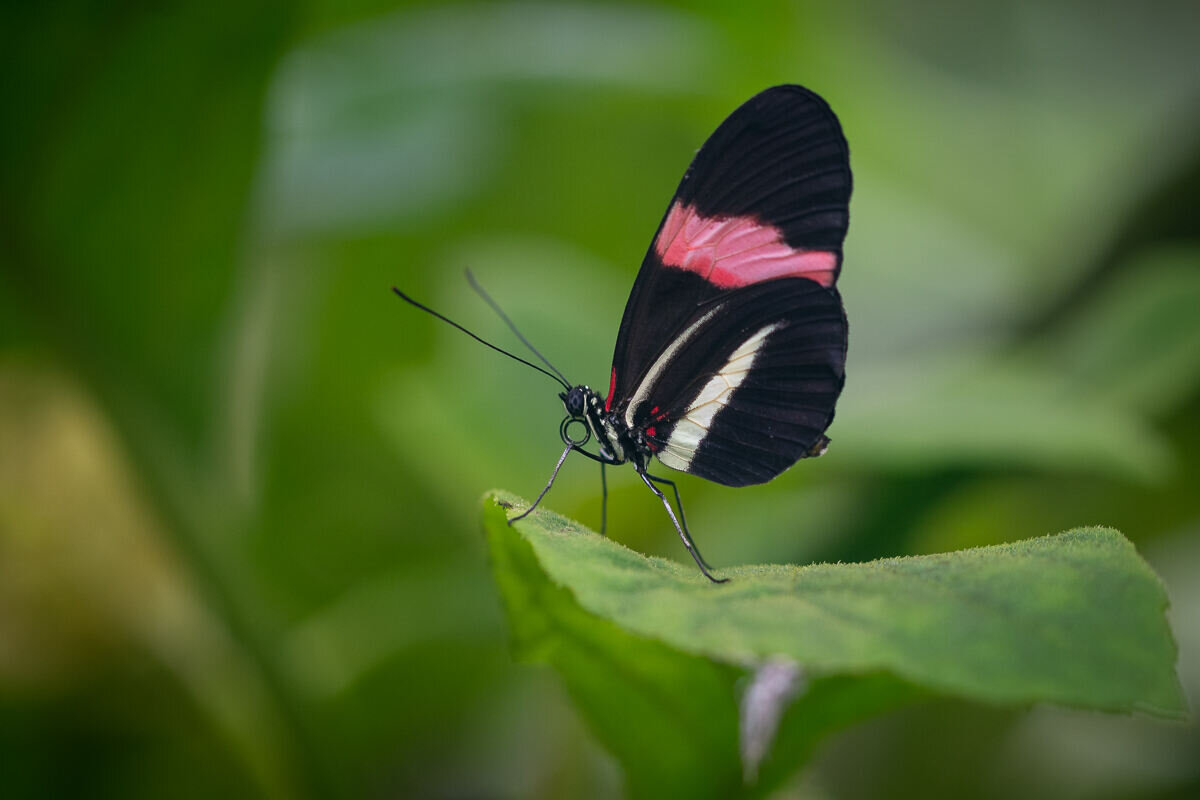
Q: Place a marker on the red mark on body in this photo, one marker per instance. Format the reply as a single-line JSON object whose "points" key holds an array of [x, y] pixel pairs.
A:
{"points": [[650, 431], [612, 386], [736, 251]]}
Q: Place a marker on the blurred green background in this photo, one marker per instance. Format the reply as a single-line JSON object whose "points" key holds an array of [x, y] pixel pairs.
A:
{"points": [[239, 480]]}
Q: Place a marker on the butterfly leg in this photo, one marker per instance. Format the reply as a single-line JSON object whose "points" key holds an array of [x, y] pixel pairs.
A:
{"points": [[687, 540], [553, 475], [603, 502], [682, 516]]}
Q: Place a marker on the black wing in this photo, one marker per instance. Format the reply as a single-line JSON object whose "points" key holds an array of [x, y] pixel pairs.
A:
{"points": [[766, 197], [731, 353], [751, 386]]}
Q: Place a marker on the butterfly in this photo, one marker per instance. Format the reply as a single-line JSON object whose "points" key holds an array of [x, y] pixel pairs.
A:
{"points": [[731, 352]]}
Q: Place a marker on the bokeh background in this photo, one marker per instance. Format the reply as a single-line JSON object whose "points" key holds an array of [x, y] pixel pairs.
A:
{"points": [[239, 480]]}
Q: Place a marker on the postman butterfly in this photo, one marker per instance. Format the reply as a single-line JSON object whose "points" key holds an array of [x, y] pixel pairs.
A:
{"points": [[731, 352]]}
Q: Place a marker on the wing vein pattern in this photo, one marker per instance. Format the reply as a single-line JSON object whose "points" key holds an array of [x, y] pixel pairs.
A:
{"points": [[731, 352]]}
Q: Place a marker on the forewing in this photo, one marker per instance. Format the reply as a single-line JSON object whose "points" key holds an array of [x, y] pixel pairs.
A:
{"points": [[749, 387], [766, 197]]}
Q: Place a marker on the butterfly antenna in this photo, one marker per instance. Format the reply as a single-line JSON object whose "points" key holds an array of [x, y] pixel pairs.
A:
{"points": [[495, 307], [447, 320]]}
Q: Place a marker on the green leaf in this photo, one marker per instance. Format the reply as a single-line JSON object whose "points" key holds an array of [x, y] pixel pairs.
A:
{"points": [[670, 717], [639, 695], [649, 649]]}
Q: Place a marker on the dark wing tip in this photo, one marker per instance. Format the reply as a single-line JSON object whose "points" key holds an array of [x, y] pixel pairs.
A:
{"points": [[781, 157]]}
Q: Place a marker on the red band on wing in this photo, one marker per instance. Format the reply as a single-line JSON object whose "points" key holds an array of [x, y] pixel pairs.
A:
{"points": [[736, 251], [612, 387]]}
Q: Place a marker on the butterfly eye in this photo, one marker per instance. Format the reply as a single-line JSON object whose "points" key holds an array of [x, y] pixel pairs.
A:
{"points": [[574, 402]]}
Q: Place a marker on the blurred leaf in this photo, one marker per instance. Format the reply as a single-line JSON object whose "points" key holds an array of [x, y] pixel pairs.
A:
{"points": [[974, 409], [794, 714], [952, 284], [1138, 344], [934, 103], [86, 579], [128, 206], [829, 704], [123, 232], [1076, 619], [345, 641], [402, 117]]}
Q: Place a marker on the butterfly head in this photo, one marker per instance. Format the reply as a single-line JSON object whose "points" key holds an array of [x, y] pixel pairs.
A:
{"points": [[575, 400], [582, 408]]}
